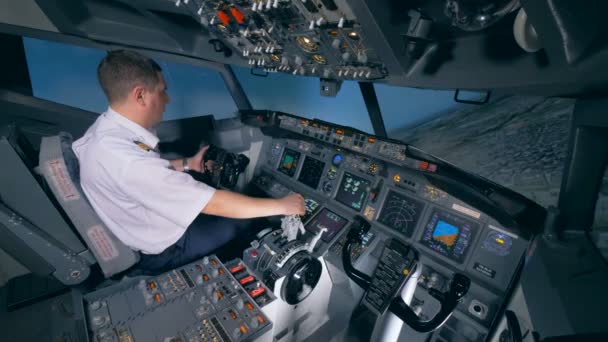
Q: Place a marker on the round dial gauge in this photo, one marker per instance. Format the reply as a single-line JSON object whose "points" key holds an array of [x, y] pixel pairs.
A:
{"points": [[498, 243]]}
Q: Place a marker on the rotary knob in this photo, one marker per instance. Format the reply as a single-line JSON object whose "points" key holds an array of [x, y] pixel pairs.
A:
{"points": [[205, 260], [362, 57], [99, 321], [209, 290], [96, 305], [327, 187], [433, 280], [215, 272], [236, 333], [336, 43], [240, 304]]}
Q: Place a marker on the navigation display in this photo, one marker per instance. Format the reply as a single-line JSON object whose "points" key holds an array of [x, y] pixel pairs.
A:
{"points": [[400, 212], [311, 173], [449, 235], [353, 191], [327, 219], [289, 162]]}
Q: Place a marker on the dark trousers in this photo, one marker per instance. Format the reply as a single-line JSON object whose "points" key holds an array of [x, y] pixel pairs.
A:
{"points": [[205, 235]]}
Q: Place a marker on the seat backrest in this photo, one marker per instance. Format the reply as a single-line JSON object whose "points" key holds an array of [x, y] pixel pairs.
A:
{"points": [[59, 166]]}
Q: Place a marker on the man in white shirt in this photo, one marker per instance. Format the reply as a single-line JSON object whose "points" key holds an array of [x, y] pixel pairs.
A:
{"points": [[146, 201]]}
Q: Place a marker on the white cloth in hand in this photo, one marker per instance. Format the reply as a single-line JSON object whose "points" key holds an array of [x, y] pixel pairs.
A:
{"points": [[291, 225]]}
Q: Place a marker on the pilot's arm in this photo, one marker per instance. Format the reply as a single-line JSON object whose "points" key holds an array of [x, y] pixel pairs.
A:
{"points": [[234, 205], [175, 195]]}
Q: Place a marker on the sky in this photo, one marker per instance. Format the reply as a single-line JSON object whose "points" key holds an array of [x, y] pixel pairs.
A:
{"points": [[67, 74]]}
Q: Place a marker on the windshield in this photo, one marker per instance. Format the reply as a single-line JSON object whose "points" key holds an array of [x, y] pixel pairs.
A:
{"points": [[301, 96]]}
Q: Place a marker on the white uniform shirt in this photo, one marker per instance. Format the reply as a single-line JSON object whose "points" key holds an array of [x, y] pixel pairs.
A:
{"points": [[147, 205]]}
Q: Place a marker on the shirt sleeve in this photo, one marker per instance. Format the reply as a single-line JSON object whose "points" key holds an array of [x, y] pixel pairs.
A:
{"points": [[174, 195]]}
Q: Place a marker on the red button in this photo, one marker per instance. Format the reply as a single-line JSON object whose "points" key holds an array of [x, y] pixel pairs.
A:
{"points": [[246, 280], [224, 18], [254, 253], [257, 292], [237, 268]]}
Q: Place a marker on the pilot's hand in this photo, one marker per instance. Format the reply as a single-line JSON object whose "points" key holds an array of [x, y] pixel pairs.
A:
{"points": [[293, 204], [195, 162]]}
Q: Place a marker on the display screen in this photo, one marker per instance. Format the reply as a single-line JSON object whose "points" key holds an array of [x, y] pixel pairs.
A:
{"points": [[400, 212], [449, 235], [353, 191], [327, 219], [289, 162], [311, 207], [311, 173]]}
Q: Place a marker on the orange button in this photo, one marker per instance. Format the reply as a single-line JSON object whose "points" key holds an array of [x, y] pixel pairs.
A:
{"points": [[151, 285], [247, 280], [221, 271], [238, 15], [214, 262], [249, 306], [157, 297], [232, 314], [219, 293], [257, 292], [237, 268], [243, 329], [205, 277], [223, 17], [261, 319]]}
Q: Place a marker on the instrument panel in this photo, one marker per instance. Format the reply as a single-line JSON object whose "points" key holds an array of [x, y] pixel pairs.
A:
{"points": [[199, 302], [396, 199], [344, 173], [321, 38]]}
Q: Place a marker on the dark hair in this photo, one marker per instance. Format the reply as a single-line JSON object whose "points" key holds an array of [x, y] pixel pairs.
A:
{"points": [[121, 70]]}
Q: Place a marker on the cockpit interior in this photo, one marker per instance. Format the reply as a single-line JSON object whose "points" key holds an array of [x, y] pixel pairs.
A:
{"points": [[396, 244]]}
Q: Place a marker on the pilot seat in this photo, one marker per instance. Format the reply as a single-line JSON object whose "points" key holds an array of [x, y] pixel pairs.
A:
{"points": [[60, 169]]}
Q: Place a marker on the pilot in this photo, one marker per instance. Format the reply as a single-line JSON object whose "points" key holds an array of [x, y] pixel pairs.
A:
{"points": [[148, 202]]}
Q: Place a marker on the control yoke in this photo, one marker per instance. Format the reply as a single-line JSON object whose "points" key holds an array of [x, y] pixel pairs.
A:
{"points": [[459, 285]]}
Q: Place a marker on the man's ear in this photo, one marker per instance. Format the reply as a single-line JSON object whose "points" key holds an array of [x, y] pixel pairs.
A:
{"points": [[139, 93]]}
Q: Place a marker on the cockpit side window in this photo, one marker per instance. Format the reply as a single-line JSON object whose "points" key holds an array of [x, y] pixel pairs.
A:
{"points": [[67, 74]]}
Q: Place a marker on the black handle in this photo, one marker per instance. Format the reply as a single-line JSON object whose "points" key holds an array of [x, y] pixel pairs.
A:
{"points": [[449, 300], [359, 228]]}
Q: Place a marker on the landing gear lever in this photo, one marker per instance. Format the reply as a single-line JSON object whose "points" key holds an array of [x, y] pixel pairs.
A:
{"points": [[395, 268]]}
